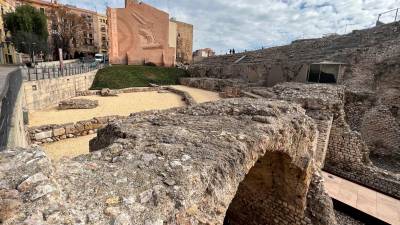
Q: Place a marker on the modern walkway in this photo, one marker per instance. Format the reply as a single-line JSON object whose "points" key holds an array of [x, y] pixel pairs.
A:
{"points": [[366, 200]]}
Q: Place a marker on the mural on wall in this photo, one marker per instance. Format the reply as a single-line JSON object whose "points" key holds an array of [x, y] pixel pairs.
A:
{"points": [[139, 34]]}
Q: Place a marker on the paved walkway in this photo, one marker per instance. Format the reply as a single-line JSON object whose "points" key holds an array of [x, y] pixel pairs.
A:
{"points": [[4, 71], [366, 200]]}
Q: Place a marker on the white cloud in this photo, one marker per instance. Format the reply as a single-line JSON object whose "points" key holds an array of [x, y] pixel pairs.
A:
{"points": [[250, 24]]}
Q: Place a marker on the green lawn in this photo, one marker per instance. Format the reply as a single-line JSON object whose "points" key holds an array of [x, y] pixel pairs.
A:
{"points": [[123, 76]]}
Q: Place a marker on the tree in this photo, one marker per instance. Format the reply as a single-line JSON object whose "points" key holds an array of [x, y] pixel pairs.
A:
{"points": [[28, 28], [68, 29]]}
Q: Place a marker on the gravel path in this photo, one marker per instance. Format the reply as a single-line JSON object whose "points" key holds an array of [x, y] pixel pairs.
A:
{"points": [[199, 95]]}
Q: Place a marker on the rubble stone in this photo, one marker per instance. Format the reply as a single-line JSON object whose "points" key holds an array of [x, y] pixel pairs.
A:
{"points": [[78, 104], [195, 168]]}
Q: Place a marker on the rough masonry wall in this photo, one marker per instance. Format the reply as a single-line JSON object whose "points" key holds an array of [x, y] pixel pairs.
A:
{"points": [[184, 44], [381, 131], [180, 166], [9, 103], [41, 94], [52, 133], [348, 157]]}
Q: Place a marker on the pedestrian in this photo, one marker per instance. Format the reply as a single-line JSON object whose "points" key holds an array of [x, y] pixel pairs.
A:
{"points": [[233, 51], [230, 51]]}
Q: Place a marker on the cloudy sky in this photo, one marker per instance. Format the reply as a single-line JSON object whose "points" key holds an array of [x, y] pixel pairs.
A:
{"points": [[250, 24]]}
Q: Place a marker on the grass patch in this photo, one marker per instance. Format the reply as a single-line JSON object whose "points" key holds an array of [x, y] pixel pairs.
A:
{"points": [[124, 76]]}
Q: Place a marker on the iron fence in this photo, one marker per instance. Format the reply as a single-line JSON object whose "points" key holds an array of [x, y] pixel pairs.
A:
{"points": [[41, 73]]}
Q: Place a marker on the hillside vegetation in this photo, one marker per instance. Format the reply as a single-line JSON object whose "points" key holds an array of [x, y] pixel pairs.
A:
{"points": [[125, 76]]}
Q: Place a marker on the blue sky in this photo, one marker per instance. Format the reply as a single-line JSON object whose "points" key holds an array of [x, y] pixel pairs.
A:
{"points": [[250, 24]]}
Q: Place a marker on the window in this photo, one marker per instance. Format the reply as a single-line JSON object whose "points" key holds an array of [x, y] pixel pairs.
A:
{"points": [[42, 10]]}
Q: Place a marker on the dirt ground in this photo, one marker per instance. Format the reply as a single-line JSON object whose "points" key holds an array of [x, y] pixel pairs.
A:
{"points": [[122, 105], [69, 147], [199, 95]]}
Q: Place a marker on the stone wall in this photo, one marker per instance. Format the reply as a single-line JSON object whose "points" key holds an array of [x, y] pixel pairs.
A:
{"points": [[52, 133], [347, 154], [10, 87], [381, 131], [48, 92], [348, 157], [184, 42], [17, 136]]}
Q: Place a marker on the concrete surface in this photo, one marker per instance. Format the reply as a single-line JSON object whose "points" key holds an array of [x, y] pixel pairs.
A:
{"points": [[366, 200]]}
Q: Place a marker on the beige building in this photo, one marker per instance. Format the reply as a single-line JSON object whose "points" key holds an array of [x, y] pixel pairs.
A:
{"points": [[8, 54], [184, 42], [94, 39], [102, 33], [200, 54]]}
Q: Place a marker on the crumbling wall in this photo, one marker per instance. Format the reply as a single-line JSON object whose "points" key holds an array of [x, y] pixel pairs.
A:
{"points": [[180, 166], [347, 154], [381, 131], [348, 157], [52, 133]]}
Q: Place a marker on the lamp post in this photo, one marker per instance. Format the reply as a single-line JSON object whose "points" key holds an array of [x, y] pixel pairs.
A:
{"points": [[33, 53]]}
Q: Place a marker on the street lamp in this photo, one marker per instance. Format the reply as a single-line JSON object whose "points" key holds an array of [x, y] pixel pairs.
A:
{"points": [[33, 53]]}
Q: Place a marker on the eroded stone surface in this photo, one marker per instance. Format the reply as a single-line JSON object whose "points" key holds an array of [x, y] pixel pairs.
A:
{"points": [[180, 166], [78, 104]]}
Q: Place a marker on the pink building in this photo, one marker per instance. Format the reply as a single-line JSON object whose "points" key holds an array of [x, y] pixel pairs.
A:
{"points": [[138, 34]]}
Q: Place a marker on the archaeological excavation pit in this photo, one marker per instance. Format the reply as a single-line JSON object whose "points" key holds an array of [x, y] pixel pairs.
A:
{"points": [[73, 128]]}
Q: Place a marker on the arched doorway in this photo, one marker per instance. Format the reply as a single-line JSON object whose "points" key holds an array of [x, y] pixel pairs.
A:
{"points": [[273, 192]]}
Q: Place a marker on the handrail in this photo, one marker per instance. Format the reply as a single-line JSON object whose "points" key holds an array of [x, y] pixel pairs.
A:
{"points": [[392, 10]]}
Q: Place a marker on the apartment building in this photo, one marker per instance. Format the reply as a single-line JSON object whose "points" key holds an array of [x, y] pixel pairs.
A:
{"points": [[94, 39], [8, 54]]}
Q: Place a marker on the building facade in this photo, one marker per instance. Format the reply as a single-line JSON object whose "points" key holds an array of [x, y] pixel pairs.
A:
{"points": [[8, 54], [200, 54], [102, 33], [184, 42], [140, 34], [92, 39]]}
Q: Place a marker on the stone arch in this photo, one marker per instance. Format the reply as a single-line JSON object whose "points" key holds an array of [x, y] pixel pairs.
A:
{"points": [[273, 192]]}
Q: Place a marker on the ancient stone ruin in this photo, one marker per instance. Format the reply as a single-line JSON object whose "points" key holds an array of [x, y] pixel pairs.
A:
{"points": [[365, 132], [199, 165], [78, 104]]}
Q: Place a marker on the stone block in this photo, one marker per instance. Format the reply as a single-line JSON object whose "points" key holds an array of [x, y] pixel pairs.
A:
{"points": [[78, 104], [58, 132], [70, 129], [44, 135]]}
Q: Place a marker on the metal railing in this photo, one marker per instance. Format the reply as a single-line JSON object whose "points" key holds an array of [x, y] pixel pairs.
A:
{"points": [[41, 73], [387, 12]]}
